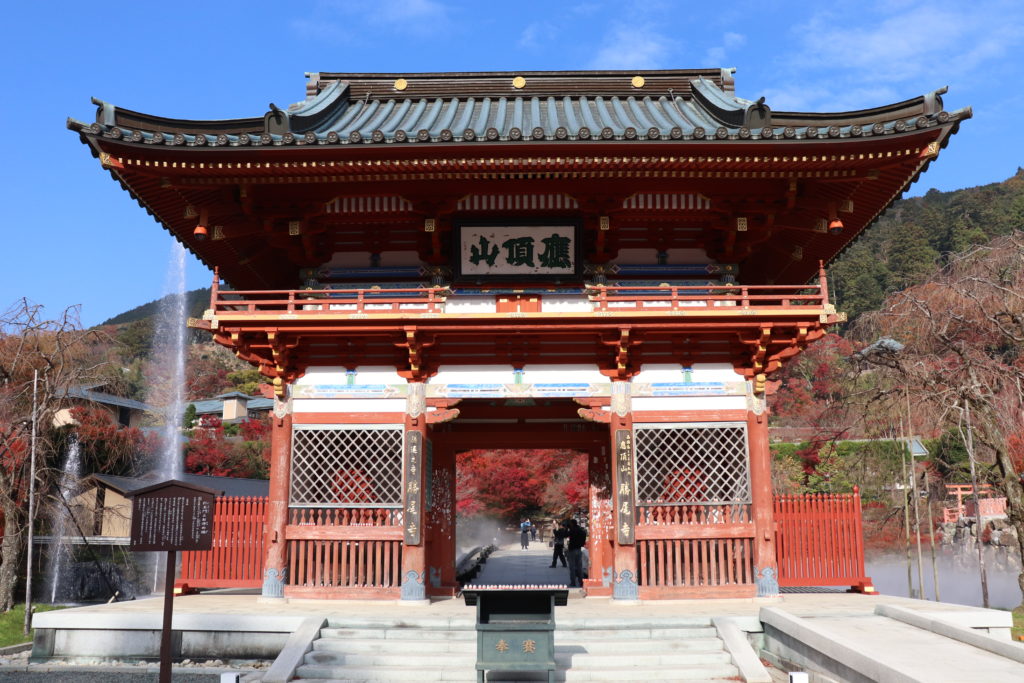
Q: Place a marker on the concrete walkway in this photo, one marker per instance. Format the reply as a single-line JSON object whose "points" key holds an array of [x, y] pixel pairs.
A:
{"points": [[511, 565], [845, 623]]}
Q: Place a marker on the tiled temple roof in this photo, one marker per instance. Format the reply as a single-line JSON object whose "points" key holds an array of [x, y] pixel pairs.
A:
{"points": [[368, 109]]}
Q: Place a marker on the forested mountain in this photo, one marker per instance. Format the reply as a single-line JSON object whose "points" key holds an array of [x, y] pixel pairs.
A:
{"points": [[196, 301], [915, 235]]}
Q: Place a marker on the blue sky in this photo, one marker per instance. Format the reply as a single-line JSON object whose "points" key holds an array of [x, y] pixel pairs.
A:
{"points": [[74, 237]]}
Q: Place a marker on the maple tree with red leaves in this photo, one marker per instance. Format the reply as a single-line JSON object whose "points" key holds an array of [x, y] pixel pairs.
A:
{"points": [[508, 484], [812, 398], [107, 446], [212, 451]]}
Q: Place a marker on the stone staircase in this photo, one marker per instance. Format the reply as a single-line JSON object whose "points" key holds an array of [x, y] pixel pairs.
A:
{"points": [[682, 649]]}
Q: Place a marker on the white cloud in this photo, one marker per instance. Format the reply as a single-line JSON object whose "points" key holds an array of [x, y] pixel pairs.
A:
{"points": [[536, 34], [632, 48], [719, 54], [861, 60], [342, 19]]}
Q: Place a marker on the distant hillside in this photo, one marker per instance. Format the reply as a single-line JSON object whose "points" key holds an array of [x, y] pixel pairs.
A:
{"points": [[196, 301], [911, 240]]}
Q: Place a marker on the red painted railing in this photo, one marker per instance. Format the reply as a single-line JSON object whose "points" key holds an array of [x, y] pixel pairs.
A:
{"points": [[604, 299], [819, 540], [309, 302], [236, 559], [990, 507]]}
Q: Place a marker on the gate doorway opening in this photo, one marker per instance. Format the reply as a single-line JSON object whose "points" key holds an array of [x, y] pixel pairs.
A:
{"points": [[534, 459]]}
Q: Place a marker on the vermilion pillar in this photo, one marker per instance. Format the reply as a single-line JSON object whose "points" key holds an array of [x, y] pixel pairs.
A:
{"points": [[601, 543], [440, 522], [275, 566], [766, 569]]}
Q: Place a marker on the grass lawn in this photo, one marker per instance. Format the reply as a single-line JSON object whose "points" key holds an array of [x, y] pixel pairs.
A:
{"points": [[1017, 633], [12, 623]]}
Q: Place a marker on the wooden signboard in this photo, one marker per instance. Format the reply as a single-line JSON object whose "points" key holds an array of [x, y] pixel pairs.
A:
{"points": [[171, 516], [547, 251], [624, 498], [413, 492]]}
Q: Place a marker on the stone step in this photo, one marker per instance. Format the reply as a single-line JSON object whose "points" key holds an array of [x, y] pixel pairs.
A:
{"points": [[575, 660], [357, 646], [398, 634], [627, 645], [596, 633], [468, 623], [382, 674]]}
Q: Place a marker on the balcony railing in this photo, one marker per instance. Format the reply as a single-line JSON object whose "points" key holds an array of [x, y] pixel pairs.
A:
{"points": [[597, 299]]}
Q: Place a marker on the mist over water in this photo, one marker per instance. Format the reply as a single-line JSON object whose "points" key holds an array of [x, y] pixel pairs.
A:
{"points": [[959, 578], [168, 392]]}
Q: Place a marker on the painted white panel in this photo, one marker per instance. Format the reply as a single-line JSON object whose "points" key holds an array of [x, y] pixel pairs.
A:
{"points": [[473, 374], [370, 374], [660, 372], [551, 374], [349, 405], [700, 372], [715, 372], [691, 403], [470, 304], [565, 304]]}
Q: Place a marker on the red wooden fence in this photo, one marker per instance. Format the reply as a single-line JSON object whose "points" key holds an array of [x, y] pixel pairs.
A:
{"points": [[344, 552], [819, 540], [695, 551], [236, 559]]}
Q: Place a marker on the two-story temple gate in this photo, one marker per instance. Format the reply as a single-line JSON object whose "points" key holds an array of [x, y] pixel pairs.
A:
{"points": [[614, 262]]}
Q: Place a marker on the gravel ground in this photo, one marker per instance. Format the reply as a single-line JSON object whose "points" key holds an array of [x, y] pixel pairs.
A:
{"points": [[17, 668]]}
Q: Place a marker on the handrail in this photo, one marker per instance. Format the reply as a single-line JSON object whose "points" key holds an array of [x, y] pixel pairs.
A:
{"points": [[603, 299]]}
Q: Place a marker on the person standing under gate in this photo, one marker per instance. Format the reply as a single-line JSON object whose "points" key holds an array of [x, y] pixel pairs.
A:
{"points": [[577, 539], [524, 533], [558, 543]]}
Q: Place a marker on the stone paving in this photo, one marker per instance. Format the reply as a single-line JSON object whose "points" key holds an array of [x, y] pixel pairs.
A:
{"points": [[511, 565]]}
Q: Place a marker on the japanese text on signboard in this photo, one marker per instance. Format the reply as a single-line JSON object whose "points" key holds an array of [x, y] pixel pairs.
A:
{"points": [[624, 506], [413, 491], [172, 522], [518, 250]]}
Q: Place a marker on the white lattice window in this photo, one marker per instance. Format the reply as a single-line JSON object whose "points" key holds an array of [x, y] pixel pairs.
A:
{"points": [[346, 466], [691, 463]]}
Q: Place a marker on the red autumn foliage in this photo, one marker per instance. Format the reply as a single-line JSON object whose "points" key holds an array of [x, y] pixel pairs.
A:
{"points": [[106, 445], [205, 377], [506, 484], [212, 452]]}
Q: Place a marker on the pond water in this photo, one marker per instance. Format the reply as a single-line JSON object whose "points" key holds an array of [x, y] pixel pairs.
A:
{"points": [[959, 580]]}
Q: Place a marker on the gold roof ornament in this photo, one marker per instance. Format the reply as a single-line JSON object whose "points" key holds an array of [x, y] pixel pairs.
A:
{"points": [[401, 84], [518, 82], [638, 81]]}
